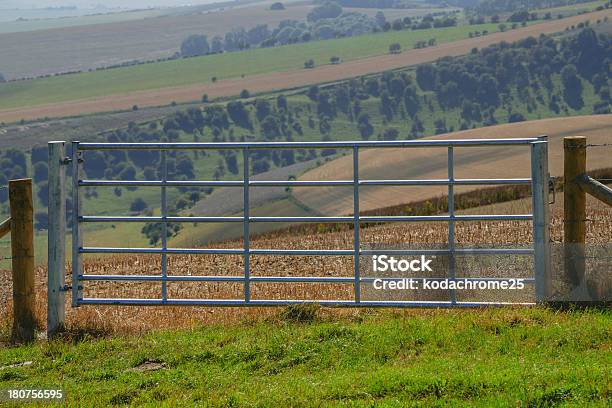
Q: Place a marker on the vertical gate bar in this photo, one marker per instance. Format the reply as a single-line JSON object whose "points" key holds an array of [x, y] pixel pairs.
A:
{"points": [[56, 245], [451, 221], [77, 233], [541, 218], [356, 223], [164, 214], [246, 227]]}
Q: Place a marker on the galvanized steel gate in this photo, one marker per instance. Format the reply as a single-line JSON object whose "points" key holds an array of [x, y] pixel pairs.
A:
{"points": [[539, 217]]}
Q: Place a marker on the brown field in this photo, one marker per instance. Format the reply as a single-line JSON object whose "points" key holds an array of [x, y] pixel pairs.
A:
{"points": [[91, 46], [474, 162], [140, 319], [288, 79]]}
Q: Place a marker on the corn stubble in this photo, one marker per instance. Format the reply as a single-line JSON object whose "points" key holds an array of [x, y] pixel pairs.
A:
{"points": [[112, 319]]}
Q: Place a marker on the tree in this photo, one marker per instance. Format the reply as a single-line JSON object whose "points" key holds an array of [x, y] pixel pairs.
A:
{"points": [[262, 109], [390, 134], [2, 78], [270, 128], [231, 163], [277, 6], [411, 100], [329, 9], [334, 60], [426, 77], [216, 45], [516, 117], [195, 45], [41, 171], [365, 128], [154, 231], [239, 114], [281, 102], [245, 94], [395, 48], [309, 63], [138, 205], [572, 87]]}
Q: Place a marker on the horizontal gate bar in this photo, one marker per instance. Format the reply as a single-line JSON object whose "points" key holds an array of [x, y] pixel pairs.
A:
{"points": [[363, 252], [298, 183], [312, 279], [184, 251], [307, 145], [363, 219], [274, 302]]}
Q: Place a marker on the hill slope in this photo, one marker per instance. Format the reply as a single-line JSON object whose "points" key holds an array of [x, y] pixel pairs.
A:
{"points": [[265, 82], [489, 162]]}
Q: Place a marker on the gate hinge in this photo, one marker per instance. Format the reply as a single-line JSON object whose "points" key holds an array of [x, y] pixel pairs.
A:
{"points": [[551, 187], [66, 160], [67, 288]]}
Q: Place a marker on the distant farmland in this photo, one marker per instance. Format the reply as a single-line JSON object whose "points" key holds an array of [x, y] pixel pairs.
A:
{"points": [[151, 36], [222, 66], [186, 80], [426, 163]]}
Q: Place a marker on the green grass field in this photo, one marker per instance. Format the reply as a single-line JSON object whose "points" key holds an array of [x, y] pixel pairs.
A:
{"points": [[591, 5], [222, 66], [479, 358]]}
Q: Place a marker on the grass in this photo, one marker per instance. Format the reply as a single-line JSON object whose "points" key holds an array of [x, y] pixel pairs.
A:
{"points": [[504, 357], [223, 66], [46, 23], [592, 5]]}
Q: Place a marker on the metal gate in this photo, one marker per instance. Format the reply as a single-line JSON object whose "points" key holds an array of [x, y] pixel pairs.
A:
{"points": [[539, 218]]}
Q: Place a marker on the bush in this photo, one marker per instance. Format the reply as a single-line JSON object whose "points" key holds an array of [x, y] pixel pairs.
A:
{"points": [[195, 45], [138, 205], [395, 48], [277, 6], [309, 64], [245, 94], [327, 10]]}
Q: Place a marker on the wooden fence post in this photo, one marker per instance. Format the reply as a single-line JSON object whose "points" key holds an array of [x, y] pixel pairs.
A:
{"points": [[22, 248], [574, 209]]}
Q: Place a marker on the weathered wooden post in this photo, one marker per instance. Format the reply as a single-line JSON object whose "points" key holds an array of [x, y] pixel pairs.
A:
{"points": [[56, 270], [22, 249], [574, 209]]}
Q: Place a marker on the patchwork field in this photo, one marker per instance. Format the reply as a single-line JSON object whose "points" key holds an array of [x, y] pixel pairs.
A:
{"points": [[151, 35], [489, 162], [187, 80]]}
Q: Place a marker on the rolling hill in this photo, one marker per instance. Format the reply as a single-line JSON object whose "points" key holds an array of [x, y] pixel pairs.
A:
{"points": [[489, 162], [124, 88]]}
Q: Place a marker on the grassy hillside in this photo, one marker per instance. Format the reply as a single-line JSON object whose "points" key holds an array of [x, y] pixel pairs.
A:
{"points": [[223, 66], [479, 358]]}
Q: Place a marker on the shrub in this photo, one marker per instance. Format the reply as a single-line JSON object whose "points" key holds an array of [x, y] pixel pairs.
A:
{"points": [[138, 205]]}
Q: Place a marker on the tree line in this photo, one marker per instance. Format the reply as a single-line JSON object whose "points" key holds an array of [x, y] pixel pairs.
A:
{"points": [[326, 21]]}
